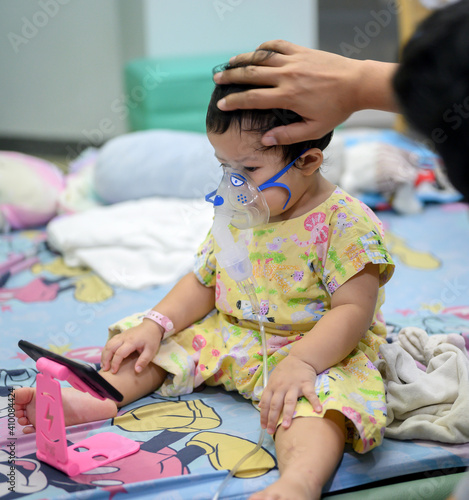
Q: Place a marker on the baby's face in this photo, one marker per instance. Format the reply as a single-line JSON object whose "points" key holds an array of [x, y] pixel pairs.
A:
{"points": [[243, 151]]}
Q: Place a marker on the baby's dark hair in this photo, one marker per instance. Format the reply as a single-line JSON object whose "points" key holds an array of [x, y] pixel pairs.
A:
{"points": [[432, 87], [256, 120]]}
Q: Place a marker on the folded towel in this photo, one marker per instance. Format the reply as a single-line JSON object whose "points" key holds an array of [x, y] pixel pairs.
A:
{"points": [[134, 244], [431, 404]]}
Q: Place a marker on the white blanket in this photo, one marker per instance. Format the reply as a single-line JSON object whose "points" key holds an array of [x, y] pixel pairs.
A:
{"points": [[134, 244], [431, 404]]}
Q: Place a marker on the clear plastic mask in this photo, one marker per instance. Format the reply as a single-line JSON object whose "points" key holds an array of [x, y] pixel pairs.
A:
{"points": [[238, 196]]}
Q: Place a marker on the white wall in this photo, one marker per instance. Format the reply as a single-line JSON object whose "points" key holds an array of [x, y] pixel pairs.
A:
{"points": [[60, 68], [61, 60], [184, 27]]}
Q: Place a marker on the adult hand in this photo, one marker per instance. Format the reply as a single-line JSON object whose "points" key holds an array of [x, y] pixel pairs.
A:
{"points": [[144, 339], [324, 88], [291, 379]]}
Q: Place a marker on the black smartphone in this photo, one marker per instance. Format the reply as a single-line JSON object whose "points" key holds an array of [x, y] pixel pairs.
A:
{"points": [[83, 371]]}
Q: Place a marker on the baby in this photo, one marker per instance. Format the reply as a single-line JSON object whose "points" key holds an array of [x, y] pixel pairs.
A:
{"points": [[320, 264]]}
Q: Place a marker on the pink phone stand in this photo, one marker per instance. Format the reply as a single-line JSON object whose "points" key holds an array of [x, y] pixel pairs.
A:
{"points": [[95, 451]]}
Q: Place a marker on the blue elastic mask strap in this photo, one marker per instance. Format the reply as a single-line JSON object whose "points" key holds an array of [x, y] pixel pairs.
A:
{"points": [[210, 196], [271, 182]]}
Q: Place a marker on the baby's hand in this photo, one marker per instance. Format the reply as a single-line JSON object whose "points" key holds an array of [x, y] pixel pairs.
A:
{"points": [[290, 380], [144, 339]]}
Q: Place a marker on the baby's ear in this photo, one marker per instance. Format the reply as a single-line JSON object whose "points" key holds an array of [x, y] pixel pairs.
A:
{"points": [[312, 160]]}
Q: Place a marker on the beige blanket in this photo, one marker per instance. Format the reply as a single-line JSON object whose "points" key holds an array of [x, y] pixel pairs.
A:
{"points": [[431, 404]]}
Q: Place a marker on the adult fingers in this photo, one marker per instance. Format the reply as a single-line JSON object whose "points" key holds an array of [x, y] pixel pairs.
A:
{"points": [[280, 46], [242, 58], [260, 76], [295, 132], [260, 57], [252, 99]]}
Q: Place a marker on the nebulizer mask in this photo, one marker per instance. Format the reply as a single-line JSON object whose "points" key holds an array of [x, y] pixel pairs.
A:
{"points": [[239, 202]]}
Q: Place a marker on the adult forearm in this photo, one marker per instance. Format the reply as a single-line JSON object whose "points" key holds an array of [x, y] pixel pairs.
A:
{"points": [[374, 86], [188, 301]]}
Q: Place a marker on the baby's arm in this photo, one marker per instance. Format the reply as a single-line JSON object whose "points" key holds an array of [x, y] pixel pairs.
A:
{"points": [[188, 301], [333, 338]]}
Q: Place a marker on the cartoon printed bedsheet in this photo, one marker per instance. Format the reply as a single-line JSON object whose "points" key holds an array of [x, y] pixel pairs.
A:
{"points": [[188, 443]]}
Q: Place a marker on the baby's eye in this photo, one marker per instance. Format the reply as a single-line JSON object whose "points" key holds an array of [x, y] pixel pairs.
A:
{"points": [[250, 169]]}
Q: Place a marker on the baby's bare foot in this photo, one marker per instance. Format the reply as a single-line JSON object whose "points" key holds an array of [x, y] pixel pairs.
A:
{"points": [[79, 407], [288, 488], [25, 408]]}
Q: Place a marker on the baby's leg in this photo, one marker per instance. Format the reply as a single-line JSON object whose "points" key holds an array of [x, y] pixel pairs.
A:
{"points": [[308, 453], [80, 407]]}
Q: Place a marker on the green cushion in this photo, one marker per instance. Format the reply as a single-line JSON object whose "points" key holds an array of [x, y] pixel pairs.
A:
{"points": [[433, 487], [170, 93]]}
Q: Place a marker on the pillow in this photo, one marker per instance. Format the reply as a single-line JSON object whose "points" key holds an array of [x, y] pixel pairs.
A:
{"points": [[166, 163], [29, 190]]}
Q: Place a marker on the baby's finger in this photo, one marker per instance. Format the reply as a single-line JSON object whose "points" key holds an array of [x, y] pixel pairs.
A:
{"points": [[264, 406], [291, 398], [108, 352], [120, 354], [276, 407], [145, 357], [310, 394]]}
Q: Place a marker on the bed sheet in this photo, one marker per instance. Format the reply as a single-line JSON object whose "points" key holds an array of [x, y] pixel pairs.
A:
{"points": [[188, 443]]}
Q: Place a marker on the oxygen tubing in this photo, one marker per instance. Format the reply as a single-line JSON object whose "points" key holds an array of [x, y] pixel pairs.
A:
{"points": [[249, 287]]}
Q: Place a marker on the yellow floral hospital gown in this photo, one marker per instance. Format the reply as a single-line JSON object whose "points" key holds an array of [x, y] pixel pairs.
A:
{"points": [[297, 264]]}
